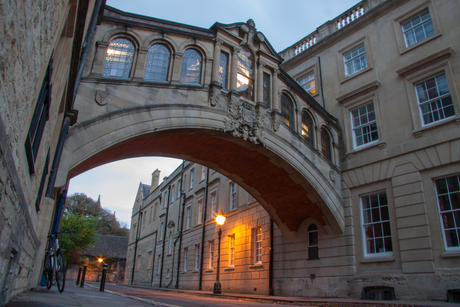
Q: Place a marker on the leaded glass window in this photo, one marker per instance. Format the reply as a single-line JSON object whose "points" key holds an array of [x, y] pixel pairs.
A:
{"points": [[245, 74], [307, 127], [266, 90], [448, 193], [418, 28], [119, 59], [364, 125], [355, 60], [191, 67], [287, 110], [434, 99], [223, 68], [157, 64], [376, 224], [326, 147]]}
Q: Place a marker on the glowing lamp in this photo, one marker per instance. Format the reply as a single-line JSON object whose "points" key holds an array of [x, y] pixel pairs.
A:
{"points": [[100, 260], [220, 219]]}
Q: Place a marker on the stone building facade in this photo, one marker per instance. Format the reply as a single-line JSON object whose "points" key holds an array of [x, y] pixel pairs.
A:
{"points": [[388, 71], [41, 44]]}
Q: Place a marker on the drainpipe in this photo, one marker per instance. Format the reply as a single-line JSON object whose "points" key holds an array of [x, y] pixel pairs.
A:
{"points": [[204, 228], [271, 291], [154, 254], [181, 228], [139, 221], [321, 82], [164, 234]]}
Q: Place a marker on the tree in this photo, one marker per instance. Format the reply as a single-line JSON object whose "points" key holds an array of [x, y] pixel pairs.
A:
{"points": [[82, 238], [82, 204]]}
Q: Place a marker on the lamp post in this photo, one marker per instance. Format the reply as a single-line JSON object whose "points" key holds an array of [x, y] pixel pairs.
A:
{"points": [[220, 220]]}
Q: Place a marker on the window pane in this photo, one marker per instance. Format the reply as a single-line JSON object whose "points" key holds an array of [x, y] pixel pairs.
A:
{"points": [[157, 64], [118, 61], [223, 66], [191, 67]]}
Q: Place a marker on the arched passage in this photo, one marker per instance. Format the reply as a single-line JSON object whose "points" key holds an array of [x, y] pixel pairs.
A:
{"points": [[289, 179]]}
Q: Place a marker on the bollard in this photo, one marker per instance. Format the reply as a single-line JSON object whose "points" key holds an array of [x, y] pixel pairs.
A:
{"points": [[79, 274], [104, 272], [82, 283]]}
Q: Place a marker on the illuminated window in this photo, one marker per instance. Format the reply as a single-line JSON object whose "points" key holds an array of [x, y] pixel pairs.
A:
{"points": [[313, 242], [258, 245], [448, 195], [326, 149], [434, 99], [245, 74], [232, 196], [211, 255], [364, 125], [191, 67], [308, 83], [376, 224], [119, 59], [200, 210], [307, 127], [223, 68], [266, 90], [355, 60], [231, 253], [157, 64], [418, 28], [287, 110]]}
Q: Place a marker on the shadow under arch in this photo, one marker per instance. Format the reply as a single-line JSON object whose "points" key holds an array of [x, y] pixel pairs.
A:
{"points": [[284, 175]]}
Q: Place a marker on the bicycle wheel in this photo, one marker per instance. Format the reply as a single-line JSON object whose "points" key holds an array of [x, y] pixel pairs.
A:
{"points": [[60, 270], [48, 270]]}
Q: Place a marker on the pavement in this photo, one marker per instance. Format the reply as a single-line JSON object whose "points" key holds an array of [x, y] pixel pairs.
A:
{"points": [[90, 295]]}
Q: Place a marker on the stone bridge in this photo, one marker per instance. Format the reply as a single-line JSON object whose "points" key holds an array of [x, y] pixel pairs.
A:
{"points": [[213, 96]]}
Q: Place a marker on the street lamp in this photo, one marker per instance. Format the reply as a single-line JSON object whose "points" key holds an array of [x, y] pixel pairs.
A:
{"points": [[220, 220]]}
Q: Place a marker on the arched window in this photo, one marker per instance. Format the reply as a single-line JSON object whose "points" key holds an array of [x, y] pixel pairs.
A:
{"points": [[191, 67], [119, 59], [307, 127], [287, 110], [245, 74], [157, 65], [313, 242], [326, 144]]}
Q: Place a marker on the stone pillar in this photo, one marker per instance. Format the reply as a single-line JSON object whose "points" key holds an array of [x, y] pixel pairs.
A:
{"points": [[216, 62], [274, 100], [234, 69], [260, 82], [175, 79], [99, 59], [140, 66]]}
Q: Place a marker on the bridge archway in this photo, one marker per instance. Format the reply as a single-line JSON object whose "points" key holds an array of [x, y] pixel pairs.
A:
{"points": [[291, 181]]}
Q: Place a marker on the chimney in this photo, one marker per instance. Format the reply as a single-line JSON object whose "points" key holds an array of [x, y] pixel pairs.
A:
{"points": [[155, 180]]}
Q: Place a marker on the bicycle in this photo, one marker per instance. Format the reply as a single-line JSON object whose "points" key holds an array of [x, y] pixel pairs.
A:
{"points": [[54, 262]]}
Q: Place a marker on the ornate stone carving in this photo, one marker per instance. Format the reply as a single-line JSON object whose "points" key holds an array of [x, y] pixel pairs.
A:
{"points": [[216, 99], [102, 98]]}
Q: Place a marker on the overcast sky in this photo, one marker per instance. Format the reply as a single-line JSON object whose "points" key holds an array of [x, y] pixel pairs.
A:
{"points": [[283, 24]]}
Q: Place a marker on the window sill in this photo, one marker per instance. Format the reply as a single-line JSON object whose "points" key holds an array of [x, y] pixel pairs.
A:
{"points": [[196, 272], [230, 268], [184, 272], [187, 230], [419, 131], [362, 71], [453, 254], [209, 271], [380, 144], [378, 259], [256, 265]]}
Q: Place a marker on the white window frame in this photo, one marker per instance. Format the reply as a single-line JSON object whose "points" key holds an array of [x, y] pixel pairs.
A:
{"points": [[310, 244], [364, 224], [435, 100], [203, 173], [192, 173], [233, 195], [231, 250], [411, 29], [199, 205], [165, 197], [188, 211], [173, 192], [361, 49], [258, 249], [185, 258], [179, 186], [362, 127], [197, 257], [443, 214], [213, 204], [306, 80], [211, 255]]}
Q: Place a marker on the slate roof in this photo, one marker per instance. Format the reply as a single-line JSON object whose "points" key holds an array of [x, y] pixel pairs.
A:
{"points": [[145, 190], [109, 246]]}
